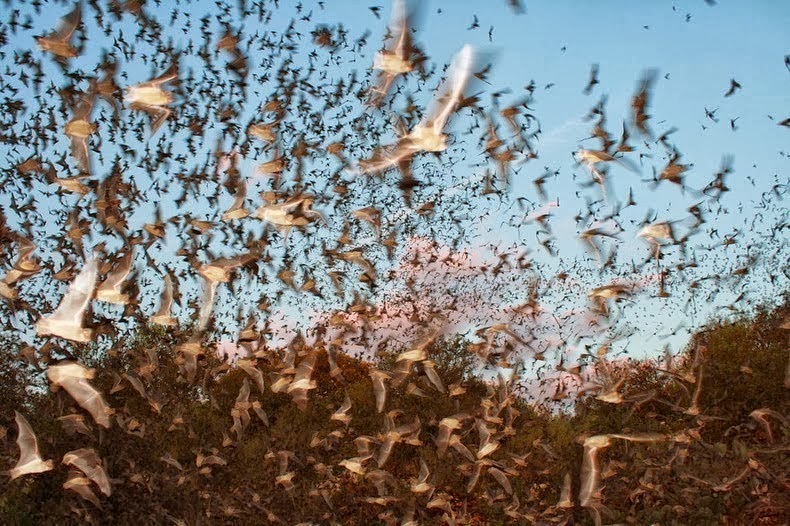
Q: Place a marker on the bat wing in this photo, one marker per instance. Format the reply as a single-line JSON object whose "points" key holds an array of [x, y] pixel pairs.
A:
{"points": [[72, 307], [87, 461], [67, 25], [30, 460], [162, 316], [73, 377], [208, 304], [452, 89]]}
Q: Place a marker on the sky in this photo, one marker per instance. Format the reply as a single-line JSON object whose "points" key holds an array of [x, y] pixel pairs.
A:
{"points": [[695, 49]]}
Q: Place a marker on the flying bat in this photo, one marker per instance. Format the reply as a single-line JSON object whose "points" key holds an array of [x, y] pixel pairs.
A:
{"points": [[66, 321], [74, 377], [30, 460]]}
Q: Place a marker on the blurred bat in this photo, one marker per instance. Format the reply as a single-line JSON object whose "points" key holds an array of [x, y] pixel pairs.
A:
{"points": [[30, 460], [66, 321], [73, 377], [59, 42]]}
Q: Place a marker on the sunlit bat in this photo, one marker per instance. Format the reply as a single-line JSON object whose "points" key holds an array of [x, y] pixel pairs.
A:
{"points": [[428, 135], [110, 289], [79, 129], [379, 387], [163, 316], [66, 321], [59, 42], [396, 60], [30, 460], [81, 486], [87, 461], [152, 99], [73, 377], [590, 472], [237, 210]]}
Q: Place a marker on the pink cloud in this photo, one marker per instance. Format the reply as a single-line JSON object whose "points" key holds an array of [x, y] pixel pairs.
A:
{"points": [[434, 287]]}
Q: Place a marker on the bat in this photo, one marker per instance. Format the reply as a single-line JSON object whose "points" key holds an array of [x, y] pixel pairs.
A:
{"points": [[30, 460], [74, 377]]}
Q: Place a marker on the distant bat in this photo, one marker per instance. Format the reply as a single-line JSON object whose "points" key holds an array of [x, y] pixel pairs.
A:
{"points": [[734, 85]]}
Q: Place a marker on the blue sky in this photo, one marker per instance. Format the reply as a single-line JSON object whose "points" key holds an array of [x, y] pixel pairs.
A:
{"points": [[556, 43]]}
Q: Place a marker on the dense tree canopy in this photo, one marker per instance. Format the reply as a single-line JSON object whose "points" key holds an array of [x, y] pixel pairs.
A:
{"points": [[688, 444]]}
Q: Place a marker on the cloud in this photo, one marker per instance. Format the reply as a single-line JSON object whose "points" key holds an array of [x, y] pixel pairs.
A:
{"points": [[565, 132], [435, 287]]}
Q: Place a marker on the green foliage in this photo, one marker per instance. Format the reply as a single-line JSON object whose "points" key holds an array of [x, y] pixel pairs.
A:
{"points": [[729, 466], [745, 365], [15, 378]]}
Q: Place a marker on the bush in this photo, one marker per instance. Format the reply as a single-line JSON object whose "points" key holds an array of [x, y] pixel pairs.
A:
{"points": [[719, 465]]}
